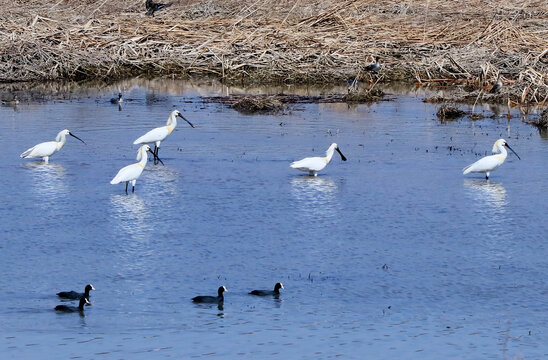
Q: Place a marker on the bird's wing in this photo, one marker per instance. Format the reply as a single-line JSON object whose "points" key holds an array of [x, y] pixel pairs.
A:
{"points": [[127, 173], [487, 163], [41, 150], [156, 134], [311, 163]]}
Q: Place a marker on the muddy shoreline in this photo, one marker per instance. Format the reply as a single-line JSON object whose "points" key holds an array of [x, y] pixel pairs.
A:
{"points": [[465, 44]]}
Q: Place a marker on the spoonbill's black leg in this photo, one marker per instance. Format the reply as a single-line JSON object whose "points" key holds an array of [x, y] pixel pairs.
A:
{"points": [[155, 155], [160, 160], [127, 182]]}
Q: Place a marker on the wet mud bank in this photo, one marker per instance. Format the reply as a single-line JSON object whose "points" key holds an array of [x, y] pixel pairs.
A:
{"points": [[466, 44], [251, 104]]}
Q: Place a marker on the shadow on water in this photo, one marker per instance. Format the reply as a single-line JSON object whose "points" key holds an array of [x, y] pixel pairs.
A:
{"points": [[315, 195]]}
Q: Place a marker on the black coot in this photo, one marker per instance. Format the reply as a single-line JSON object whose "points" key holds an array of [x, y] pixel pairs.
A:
{"points": [[211, 299], [73, 295], [275, 292], [70, 309], [118, 100]]}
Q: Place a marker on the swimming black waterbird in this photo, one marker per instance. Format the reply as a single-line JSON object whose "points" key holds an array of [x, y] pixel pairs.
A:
{"points": [[118, 100], [219, 299], [69, 309], [74, 295], [152, 7], [11, 102], [275, 292]]}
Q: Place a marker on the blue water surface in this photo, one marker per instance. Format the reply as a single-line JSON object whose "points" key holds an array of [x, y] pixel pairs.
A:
{"points": [[393, 254]]}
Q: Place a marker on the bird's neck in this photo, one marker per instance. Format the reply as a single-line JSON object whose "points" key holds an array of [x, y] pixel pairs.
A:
{"points": [[61, 142], [144, 159], [171, 124], [502, 153], [329, 154]]}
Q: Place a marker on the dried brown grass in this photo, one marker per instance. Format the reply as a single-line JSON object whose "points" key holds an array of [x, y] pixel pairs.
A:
{"points": [[432, 42], [542, 122], [258, 104], [448, 113]]}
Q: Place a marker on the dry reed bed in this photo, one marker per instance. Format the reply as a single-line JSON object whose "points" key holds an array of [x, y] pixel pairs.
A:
{"points": [[434, 42]]}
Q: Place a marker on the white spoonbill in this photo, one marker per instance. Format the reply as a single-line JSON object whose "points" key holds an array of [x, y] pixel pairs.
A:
{"points": [[159, 134], [490, 163], [46, 149], [132, 172], [314, 164]]}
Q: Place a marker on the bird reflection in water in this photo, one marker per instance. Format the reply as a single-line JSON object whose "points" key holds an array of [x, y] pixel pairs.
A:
{"points": [[131, 220], [491, 194], [163, 180], [131, 215], [316, 196], [48, 180], [490, 201]]}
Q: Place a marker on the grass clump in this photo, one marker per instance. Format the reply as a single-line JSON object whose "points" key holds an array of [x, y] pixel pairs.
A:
{"points": [[448, 113], [257, 104]]}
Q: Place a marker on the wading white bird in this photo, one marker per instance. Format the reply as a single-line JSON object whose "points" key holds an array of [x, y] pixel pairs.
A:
{"points": [[157, 135], [490, 163], [132, 172], [314, 164], [46, 149]]}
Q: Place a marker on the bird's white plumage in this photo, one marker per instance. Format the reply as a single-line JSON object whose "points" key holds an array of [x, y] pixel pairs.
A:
{"points": [[485, 164], [42, 150], [489, 163], [314, 164], [310, 164], [46, 149], [132, 172], [157, 135]]}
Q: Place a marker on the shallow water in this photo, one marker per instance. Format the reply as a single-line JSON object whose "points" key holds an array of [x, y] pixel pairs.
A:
{"points": [[393, 254]]}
